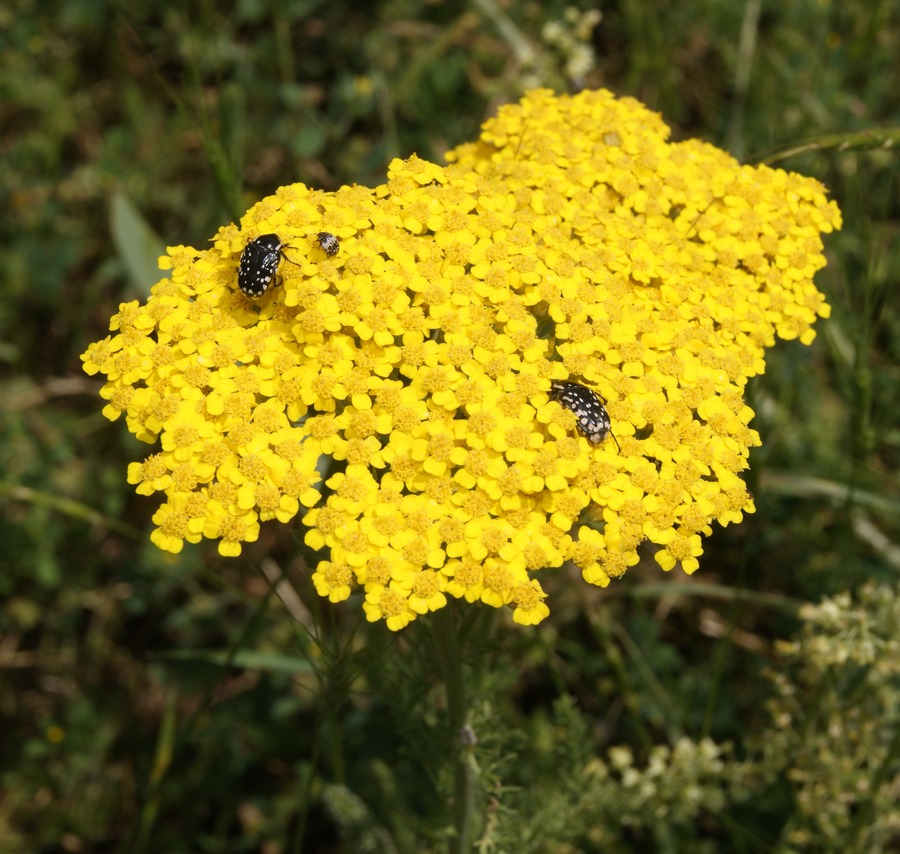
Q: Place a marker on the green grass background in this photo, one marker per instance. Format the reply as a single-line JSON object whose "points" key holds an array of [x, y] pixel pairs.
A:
{"points": [[154, 703]]}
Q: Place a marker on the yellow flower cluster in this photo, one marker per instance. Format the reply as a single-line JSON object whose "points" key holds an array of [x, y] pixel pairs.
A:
{"points": [[396, 394]]}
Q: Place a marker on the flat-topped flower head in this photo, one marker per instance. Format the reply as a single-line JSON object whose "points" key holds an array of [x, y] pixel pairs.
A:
{"points": [[431, 390]]}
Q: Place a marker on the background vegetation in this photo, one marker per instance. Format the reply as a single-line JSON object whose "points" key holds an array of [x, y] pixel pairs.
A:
{"points": [[200, 705]]}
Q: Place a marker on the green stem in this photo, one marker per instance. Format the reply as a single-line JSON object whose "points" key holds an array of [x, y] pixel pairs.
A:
{"points": [[449, 654], [67, 506], [872, 139]]}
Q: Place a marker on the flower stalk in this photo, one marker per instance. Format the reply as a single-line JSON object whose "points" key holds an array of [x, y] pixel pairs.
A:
{"points": [[450, 655]]}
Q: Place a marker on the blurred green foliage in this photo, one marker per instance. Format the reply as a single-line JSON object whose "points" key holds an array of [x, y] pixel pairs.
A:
{"points": [[160, 704]]}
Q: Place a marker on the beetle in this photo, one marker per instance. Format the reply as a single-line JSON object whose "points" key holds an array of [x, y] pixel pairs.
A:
{"points": [[329, 243], [259, 264], [586, 405]]}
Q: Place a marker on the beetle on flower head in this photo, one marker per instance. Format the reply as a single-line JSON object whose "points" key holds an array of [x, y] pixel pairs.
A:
{"points": [[586, 406], [259, 264], [329, 243], [396, 403]]}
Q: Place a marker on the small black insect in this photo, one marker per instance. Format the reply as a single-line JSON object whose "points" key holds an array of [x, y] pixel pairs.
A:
{"points": [[259, 264], [329, 243], [586, 406]]}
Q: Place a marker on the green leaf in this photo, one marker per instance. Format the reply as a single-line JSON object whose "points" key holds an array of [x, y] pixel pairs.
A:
{"points": [[137, 244]]}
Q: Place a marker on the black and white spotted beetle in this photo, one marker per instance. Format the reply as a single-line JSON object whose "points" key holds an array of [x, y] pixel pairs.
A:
{"points": [[586, 406], [259, 264], [329, 243]]}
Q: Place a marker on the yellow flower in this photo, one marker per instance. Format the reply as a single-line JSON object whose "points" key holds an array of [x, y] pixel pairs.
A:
{"points": [[175, 522], [396, 395], [529, 604], [427, 594], [333, 580], [390, 605]]}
